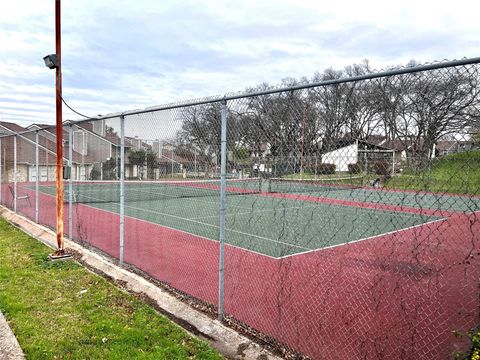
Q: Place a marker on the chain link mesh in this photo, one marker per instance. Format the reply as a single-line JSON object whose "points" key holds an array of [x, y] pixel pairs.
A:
{"points": [[351, 220]]}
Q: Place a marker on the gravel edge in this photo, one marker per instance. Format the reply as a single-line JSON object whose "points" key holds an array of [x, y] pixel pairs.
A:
{"points": [[9, 347]]}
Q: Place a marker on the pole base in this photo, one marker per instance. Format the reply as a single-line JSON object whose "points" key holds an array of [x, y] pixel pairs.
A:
{"points": [[60, 255]]}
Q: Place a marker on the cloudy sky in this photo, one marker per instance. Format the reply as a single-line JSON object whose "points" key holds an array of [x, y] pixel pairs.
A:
{"points": [[129, 54]]}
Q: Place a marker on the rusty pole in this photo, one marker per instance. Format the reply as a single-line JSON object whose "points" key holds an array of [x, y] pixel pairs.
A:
{"points": [[58, 83]]}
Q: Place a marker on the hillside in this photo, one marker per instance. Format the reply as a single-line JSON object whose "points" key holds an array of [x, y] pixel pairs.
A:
{"points": [[456, 173]]}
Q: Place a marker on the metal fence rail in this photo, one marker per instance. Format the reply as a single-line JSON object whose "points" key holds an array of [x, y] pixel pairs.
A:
{"points": [[333, 219]]}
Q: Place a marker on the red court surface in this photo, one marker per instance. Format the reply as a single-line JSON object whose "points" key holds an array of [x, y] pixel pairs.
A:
{"points": [[403, 295]]}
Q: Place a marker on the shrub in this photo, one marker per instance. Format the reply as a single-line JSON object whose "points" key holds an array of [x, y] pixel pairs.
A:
{"points": [[355, 168], [326, 169], [379, 167], [95, 174]]}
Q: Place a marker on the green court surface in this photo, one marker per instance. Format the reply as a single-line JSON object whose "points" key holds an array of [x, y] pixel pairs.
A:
{"points": [[420, 200], [269, 225]]}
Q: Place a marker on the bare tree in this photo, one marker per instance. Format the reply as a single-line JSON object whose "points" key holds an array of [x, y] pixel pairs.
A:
{"points": [[436, 106]]}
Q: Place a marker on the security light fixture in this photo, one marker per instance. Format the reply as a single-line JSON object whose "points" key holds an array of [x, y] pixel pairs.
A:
{"points": [[51, 61]]}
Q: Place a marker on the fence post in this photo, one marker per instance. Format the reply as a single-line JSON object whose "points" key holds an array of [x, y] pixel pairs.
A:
{"points": [[223, 186], [15, 173], [122, 188], [70, 182], [195, 163], [393, 162], [37, 177], [47, 164]]}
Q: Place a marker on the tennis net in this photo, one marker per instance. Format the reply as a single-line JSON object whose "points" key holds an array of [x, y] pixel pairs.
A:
{"points": [[285, 185], [109, 191]]}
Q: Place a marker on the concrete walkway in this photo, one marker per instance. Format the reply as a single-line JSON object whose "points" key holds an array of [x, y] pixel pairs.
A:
{"points": [[9, 348]]}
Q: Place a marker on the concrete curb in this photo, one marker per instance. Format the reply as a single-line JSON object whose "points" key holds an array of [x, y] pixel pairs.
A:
{"points": [[9, 347], [227, 341]]}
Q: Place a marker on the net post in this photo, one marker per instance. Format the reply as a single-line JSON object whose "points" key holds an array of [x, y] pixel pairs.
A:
{"points": [[223, 186], [195, 162], [393, 162], [47, 165], [172, 161], [70, 182], [122, 189], [37, 177], [15, 173]]}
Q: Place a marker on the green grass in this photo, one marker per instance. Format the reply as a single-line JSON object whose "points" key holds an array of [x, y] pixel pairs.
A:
{"points": [[457, 173], [475, 352], [310, 176], [63, 311]]}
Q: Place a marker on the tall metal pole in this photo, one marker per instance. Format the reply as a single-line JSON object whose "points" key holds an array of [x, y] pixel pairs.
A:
{"points": [[195, 164], [122, 188], [70, 182], [302, 140], [58, 83], [15, 173], [37, 177], [223, 186]]}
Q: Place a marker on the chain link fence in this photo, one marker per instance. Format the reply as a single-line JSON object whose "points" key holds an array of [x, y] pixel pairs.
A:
{"points": [[333, 219]]}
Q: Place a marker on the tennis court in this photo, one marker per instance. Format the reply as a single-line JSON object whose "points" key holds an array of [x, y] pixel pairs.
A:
{"points": [[351, 217], [286, 220]]}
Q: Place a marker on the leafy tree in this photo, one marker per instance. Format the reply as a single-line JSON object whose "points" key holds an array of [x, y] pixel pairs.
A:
{"points": [[95, 174], [152, 163], [110, 131], [109, 168], [137, 158]]}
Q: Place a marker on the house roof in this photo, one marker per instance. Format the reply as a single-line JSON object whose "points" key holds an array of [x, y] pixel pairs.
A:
{"points": [[39, 126], [111, 138], [26, 145], [376, 139], [446, 145], [133, 142], [340, 143], [396, 145], [12, 127], [166, 156]]}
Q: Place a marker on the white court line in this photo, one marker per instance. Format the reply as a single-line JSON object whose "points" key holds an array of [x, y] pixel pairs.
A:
{"points": [[167, 197], [308, 250], [256, 236], [182, 231], [218, 227], [208, 225], [367, 238], [251, 212]]}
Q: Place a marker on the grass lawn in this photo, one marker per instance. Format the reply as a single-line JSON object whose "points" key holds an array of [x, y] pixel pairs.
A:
{"points": [[310, 176], [456, 173], [475, 353], [63, 311]]}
